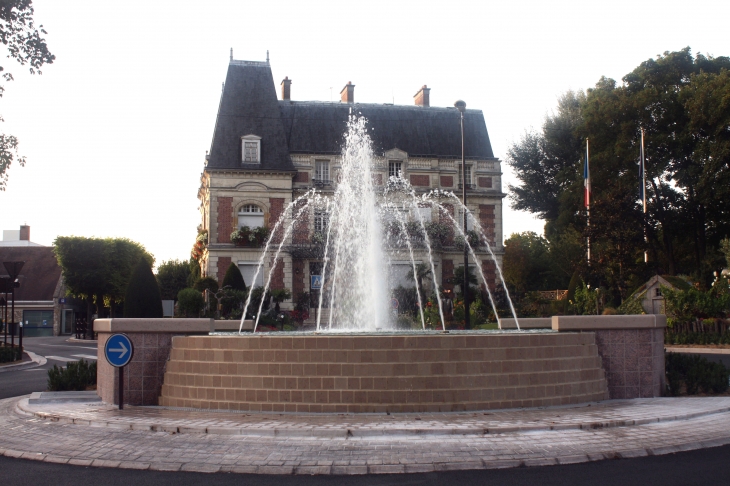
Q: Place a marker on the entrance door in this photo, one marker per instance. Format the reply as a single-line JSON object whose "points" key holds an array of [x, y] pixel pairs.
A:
{"points": [[67, 321]]}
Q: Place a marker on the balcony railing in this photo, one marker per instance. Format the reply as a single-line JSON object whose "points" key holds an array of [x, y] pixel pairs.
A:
{"points": [[321, 182], [468, 186]]}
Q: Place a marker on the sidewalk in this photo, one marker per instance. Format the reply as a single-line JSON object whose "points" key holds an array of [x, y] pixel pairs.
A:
{"points": [[33, 361], [166, 439]]}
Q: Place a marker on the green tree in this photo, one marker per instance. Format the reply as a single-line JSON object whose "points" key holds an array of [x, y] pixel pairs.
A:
{"points": [[172, 277], [96, 268], [142, 298], [190, 302], [234, 279], [25, 44]]}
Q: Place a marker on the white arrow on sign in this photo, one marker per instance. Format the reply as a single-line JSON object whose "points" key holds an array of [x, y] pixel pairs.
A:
{"points": [[121, 351]]}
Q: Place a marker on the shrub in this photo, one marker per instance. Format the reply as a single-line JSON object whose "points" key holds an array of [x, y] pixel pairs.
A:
{"points": [[693, 373], [190, 302], [76, 376], [8, 354], [142, 298], [234, 279]]}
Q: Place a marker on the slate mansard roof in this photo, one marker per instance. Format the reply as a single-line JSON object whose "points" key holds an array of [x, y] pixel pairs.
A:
{"points": [[249, 106]]}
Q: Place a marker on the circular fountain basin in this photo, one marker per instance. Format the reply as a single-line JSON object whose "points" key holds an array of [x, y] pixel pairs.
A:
{"points": [[384, 372]]}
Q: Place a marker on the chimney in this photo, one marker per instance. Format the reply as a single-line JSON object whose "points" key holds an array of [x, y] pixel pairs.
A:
{"points": [[25, 233], [422, 97], [286, 89], [348, 93]]}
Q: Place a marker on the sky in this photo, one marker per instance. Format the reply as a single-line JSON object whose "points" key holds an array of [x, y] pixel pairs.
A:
{"points": [[116, 129]]}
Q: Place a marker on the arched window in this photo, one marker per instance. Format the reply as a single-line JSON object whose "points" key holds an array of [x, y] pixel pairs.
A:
{"points": [[250, 215]]}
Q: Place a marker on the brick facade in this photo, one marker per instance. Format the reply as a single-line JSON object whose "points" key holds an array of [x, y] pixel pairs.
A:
{"points": [[485, 182], [447, 181], [304, 177], [300, 232], [225, 219], [223, 264], [378, 179], [276, 210], [444, 218], [447, 274], [486, 220], [420, 180], [277, 276], [490, 273]]}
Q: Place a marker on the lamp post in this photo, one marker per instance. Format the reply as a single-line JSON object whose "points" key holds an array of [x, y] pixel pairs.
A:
{"points": [[461, 106], [13, 269]]}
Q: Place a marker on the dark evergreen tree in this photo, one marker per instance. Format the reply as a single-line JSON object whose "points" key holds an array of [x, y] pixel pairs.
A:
{"points": [[234, 279], [142, 298]]}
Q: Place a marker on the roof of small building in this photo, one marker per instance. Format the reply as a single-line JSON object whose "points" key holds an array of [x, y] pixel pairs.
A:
{"points": [[39, 275], [249, 106]]}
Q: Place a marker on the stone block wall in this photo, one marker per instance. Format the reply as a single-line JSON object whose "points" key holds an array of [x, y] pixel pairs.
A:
{"points": [[152, 341]]}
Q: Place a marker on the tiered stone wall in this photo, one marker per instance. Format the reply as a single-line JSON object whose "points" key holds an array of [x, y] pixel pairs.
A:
{"points": [[383, 373]]}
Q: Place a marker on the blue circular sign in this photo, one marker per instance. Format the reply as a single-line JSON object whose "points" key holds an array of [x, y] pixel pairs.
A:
{"points": [[118, 350]]}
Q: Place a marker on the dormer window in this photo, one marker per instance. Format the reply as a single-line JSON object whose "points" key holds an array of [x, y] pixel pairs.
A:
{"points": [[251, 149]]}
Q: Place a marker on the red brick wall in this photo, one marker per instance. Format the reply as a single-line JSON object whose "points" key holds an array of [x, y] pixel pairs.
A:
{"points": [[300, 233], [277, 278], [225, 219], [297, 278], [378, 179], [490, 274], [304, 177], [420, 180], [447, 181], [486, 219], [447, 274], [485, 182], [277, 209], [223, 264]]}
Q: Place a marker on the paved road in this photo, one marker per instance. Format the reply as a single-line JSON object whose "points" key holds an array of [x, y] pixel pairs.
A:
{"points": [[56, 350], [701, 467]]}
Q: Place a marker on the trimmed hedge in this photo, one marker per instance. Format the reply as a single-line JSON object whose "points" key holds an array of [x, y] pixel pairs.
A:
{"points": [[143, 298], [691, 374], [8, 354], [76, 376]]}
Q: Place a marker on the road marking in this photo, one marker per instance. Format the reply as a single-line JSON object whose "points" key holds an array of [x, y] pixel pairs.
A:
{"points": [[65, 346], [87, 356], [61, 358]]}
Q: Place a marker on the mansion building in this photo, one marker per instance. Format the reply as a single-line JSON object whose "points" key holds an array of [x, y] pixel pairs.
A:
{"points": [[268, 150]]}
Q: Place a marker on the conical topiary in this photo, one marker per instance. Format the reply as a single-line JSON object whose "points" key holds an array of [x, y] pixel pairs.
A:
{"points": [[142, 298], [234, 279]]}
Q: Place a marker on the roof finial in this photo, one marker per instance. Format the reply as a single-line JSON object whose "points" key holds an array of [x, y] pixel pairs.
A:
{"points": [[231, 53], [267, 56]]}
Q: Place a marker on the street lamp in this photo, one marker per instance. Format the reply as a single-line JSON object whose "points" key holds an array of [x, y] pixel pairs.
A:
{"points": [[13, 269], [461, 106]]}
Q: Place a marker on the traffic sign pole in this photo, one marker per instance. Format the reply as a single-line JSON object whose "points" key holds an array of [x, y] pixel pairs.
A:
{"points": [[118, 351]]}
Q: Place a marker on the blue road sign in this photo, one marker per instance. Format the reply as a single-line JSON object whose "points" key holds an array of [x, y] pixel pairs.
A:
{"points": [[118, 350], [316, 282]]}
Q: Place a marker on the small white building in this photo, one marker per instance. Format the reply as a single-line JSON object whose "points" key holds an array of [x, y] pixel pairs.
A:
{"points": [[650, 293]]}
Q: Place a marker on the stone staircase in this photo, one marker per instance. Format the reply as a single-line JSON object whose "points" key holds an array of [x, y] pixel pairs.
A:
{"points": [[330, 373]]}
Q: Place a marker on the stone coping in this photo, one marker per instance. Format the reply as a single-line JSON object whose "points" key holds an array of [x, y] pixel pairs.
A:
{"points": [[592, 323], [587, 416], [527, 323], [232, 325], [162, 325]]}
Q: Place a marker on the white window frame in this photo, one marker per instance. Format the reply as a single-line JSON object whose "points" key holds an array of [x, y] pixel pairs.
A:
{"points": [[395, 169], [321, 221], [251, 210], [322, 170], [469, 175], [251, 139]]}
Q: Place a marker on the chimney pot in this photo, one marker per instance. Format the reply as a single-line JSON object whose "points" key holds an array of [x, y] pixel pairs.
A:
{"points": [[25, 233], [348, 93], [422, 98], [286, 89]]}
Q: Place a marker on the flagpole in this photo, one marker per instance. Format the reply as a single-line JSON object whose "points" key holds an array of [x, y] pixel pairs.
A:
{"points": [[643, 192], [587, 183]]}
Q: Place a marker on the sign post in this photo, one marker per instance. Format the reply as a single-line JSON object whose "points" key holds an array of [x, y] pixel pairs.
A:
{"points": [[118, 351]]}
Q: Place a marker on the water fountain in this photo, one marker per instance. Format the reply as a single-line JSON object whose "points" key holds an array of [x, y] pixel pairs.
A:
{"points": [[356, 248], [357, 361]]}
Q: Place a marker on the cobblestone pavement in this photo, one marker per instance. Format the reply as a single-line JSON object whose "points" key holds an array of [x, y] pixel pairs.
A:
{"points": [[151, 438]]}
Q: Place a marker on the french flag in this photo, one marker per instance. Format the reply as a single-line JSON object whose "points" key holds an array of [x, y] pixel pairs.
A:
{"points": [[587, 180]]}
